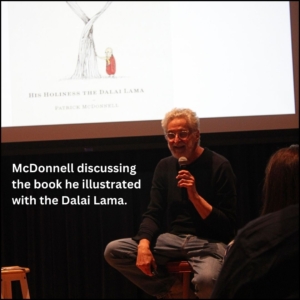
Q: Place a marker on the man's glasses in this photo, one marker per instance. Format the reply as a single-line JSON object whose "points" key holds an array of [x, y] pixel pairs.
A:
{"points": [[183, 134]]}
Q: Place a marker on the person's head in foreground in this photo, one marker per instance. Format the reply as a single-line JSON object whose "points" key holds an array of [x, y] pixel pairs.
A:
{"points": [[263, 260], [281, 185]]}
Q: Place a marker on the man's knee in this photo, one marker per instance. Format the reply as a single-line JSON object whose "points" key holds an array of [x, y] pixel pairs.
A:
{"points": [[108, 252]]}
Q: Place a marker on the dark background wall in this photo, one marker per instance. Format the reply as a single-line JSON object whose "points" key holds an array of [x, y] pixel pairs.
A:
{"points": [[63, 244]]}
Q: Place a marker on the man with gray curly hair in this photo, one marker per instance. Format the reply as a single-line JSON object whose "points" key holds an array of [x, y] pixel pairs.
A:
{"points": [[194, 192]]}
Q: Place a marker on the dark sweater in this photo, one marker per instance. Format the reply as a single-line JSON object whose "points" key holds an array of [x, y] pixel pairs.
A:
{"points": [[263, 262], [169, 209]]}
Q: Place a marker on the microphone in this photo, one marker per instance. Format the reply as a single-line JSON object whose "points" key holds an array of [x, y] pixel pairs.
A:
{"points": [[182, 162]]}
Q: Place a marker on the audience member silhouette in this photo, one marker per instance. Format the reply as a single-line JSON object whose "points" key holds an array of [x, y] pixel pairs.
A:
{"points": [[263, 260]]}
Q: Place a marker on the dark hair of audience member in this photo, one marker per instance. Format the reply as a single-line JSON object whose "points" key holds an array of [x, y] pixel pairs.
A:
{"points": [[281, 184]]}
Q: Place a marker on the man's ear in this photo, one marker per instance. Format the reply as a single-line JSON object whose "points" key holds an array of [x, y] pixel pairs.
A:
{"points": [[197, 134]]}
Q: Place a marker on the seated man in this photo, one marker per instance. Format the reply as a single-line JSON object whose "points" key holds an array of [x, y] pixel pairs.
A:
{"points": [[194, 193]]}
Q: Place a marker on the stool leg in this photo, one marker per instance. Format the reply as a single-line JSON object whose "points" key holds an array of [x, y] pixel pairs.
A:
{"points": [[24, 287], [6, 292], [186, 285]]}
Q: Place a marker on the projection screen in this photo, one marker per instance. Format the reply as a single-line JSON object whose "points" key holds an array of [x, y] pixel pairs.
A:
{"points": [[105, 69]]}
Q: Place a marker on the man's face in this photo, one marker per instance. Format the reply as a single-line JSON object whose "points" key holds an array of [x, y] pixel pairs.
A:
{"points": [[185, 145]]}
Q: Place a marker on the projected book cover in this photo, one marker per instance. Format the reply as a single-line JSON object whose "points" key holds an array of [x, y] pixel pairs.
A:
{"points": [[78, 62], [67, 62]]}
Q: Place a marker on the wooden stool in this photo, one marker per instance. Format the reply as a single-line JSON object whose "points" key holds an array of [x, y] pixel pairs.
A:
{"points": [[14, 273], [183, 268]]}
